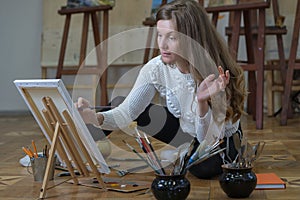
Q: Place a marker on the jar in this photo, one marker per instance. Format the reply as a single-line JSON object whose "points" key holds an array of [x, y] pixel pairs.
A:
{"points": [[104, 147], [237, 182], [167, 187]]}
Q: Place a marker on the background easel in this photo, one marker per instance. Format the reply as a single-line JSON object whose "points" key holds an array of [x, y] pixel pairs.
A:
{"points": [[64, 138]]}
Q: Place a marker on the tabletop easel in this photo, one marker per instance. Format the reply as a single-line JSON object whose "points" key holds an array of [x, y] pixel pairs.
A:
{"points": [[65, 140]]}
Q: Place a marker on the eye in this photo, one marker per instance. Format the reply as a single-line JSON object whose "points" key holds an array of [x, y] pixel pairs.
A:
{"points": [[172, 38]]}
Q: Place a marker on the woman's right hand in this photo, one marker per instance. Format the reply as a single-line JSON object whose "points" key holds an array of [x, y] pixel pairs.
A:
{"points": [[88, 115]]}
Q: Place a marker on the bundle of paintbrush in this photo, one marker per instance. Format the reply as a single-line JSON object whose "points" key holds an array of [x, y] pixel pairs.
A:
{"points": [[187, 156], [186, 159], [151, 158]]}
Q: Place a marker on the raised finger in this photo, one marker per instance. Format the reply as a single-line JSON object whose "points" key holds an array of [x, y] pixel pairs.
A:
{"points": [[221, 71], [227, 74]]}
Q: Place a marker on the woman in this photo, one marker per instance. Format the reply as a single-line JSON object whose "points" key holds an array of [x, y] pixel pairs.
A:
{"points": [[200, 86]]}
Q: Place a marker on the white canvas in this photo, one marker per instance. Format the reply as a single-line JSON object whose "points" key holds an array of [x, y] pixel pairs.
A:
{"points": [[37, 89]]}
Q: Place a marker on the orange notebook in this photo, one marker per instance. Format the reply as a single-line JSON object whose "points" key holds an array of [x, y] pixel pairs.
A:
{"points": [[267, 181]]}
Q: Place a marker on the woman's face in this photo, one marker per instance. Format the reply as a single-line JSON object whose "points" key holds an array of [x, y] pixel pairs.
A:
{"points": [[167, 39]]}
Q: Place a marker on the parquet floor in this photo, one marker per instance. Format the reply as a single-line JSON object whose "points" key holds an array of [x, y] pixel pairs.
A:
{"points": [[281, 155]]}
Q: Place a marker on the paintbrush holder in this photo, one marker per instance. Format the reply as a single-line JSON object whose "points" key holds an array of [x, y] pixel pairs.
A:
{"points": [[39, 168], [237, 182], [170, 187], [104, 147]]}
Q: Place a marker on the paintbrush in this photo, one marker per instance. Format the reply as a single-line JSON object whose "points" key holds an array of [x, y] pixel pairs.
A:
{"points": [[203, 158], [96, 107], [131, 170], [188, 155], [155, 155], [147, 148], [140, 156]]}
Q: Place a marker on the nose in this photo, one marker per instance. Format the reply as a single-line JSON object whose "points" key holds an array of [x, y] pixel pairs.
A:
{"points": [[162, 43]]}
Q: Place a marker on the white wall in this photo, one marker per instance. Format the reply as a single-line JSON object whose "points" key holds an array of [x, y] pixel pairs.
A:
{"points": [[20, 44], [21, 28]]}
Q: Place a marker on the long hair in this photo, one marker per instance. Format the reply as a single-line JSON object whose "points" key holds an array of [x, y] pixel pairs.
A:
{"points": [[192, 21]]}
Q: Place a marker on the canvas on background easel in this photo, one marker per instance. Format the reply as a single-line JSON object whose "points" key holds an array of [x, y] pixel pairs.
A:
{"points": [[52, 107]]}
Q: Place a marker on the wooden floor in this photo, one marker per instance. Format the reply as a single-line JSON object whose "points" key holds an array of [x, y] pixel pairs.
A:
{"points": [[281, 155]]}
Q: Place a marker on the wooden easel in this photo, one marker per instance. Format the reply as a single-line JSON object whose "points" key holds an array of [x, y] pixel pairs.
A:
{"points": [[64, 137], [101, 51]]}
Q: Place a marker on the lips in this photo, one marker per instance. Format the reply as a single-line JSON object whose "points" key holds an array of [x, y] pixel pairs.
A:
{"points": [[165, 54]]}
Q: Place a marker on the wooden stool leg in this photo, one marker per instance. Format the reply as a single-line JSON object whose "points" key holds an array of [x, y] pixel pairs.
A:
{"points": [[251, 42], [252, 87], [103, 79], [100, 57], [101, 53], [291, 66], [233, 42], [156, 48], [260, 70], [215, 17], [279, 41], [97, 35], [63, 46], [84, 36], [270, 98], [148, 44]]}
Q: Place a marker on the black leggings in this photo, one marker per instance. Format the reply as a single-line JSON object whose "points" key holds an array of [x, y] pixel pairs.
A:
{"points": [[157, 122], [171, 133]]}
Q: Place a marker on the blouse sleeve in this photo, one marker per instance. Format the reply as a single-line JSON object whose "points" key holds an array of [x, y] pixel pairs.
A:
{"points": [[207, 128], [202, 125], [134, 104]]}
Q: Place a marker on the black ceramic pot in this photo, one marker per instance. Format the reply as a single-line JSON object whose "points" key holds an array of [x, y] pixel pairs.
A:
{"points": [[237, 182], [170, 187]]}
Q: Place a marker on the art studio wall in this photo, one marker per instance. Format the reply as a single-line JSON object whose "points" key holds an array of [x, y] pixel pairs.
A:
{"points": [[20, 48], [30, 36]]}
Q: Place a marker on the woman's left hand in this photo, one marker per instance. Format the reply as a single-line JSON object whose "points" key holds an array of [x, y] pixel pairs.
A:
{"points": [[211, 85]]}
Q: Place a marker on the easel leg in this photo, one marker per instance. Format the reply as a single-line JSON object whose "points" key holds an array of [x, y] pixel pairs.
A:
{"points": [[86, 154], [59, 147], [49, 162]]}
